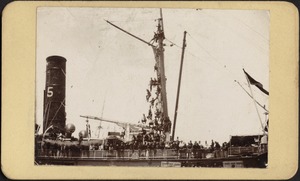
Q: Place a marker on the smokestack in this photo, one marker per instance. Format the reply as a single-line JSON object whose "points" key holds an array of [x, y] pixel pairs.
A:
{"points": [[54, 94]]}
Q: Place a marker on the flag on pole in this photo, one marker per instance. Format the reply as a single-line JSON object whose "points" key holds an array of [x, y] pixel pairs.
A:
{"points": [[256, 83]]}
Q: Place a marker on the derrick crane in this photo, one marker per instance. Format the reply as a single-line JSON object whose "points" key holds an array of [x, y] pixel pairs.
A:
{"points": [[128, 127]]}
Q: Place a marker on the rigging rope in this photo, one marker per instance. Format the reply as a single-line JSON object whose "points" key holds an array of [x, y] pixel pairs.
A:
{"points": [[126, 21], [255, 105], [217, 63], [46, 114], [187, 51], [207, 62], [63, 71], [221, 66], [230, 74], [251, 96], [250, 28], [61, 104], [241, 36]]}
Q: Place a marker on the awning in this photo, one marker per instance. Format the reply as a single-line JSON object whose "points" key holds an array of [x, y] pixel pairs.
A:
{"points": [[244, 140]]}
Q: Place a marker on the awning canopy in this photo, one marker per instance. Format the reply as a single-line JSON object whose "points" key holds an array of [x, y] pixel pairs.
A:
{"points": [[244, 140]]}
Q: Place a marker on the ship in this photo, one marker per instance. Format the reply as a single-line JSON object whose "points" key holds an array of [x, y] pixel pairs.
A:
{"points": [[148, 143]]}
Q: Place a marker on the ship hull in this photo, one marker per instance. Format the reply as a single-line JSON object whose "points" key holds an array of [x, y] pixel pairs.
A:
{"points": [[257, 161]]}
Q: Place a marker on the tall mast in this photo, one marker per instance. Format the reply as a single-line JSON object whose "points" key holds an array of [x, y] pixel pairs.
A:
{"points": [[162, 66], [158, 50], [179, 83], [161, 75]]}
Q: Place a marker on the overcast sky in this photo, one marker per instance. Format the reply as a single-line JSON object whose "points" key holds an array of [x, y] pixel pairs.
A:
{"points": [[108, 70]]}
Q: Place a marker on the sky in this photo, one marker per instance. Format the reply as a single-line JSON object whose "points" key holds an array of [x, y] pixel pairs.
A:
{"points": [[108, 72]]}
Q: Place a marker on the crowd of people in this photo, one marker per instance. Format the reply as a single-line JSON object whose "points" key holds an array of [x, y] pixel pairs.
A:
{"points": [[144, 144], [141, 145]]}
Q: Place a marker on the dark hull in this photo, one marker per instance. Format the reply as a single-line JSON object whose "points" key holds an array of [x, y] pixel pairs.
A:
{"points": [[258, 161]]}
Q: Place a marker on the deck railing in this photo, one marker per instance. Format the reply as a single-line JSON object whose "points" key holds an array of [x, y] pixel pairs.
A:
{"points": [[245, 150], [133, 154], [151, 153]]}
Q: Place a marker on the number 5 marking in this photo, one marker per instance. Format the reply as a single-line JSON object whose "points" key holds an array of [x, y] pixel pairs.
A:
{"points": [[49, 91]]}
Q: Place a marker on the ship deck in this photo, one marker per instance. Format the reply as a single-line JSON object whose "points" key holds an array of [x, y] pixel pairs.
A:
{"points": [[149, 158]]}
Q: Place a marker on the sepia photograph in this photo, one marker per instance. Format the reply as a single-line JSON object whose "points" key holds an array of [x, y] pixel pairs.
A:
{"points": [[152, 87]]}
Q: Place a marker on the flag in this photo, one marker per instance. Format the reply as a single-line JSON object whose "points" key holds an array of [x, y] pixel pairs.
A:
{"points": [[254, 82]]}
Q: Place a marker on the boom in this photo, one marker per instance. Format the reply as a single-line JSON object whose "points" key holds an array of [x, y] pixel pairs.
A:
{"points": [[119, 123], [129, 33]]}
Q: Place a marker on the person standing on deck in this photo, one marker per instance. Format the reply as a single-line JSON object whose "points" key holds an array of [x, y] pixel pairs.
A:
{"points": [[189, 150]]}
